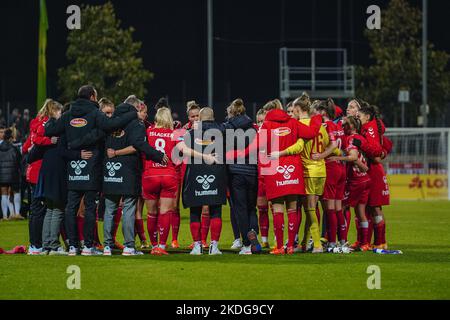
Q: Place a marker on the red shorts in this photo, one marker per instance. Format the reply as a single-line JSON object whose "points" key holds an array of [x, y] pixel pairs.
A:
{"points": [[261, 188], [335, 183], [156, 187], [356, 193], [379, 187]]}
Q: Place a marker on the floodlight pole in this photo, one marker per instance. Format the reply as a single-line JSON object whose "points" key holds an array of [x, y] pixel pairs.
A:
{"points": [[424, 63], [210, 54]]}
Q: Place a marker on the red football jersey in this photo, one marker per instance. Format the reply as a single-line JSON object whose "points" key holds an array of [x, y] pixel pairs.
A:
{"points": [[354, 175], [162, 140]]}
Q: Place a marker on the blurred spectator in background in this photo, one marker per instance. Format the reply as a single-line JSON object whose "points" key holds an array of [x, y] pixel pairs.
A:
{"points": [[10, 164]]}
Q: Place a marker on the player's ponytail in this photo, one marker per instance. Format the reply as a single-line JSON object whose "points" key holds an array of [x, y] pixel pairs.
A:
{"points": [[191, 105], [237, 108], [272, 105], [303, 102], [354, 122]]}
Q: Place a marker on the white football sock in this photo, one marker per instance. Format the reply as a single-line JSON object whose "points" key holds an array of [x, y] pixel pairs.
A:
{"points": [[17, 203], [5, 201]]}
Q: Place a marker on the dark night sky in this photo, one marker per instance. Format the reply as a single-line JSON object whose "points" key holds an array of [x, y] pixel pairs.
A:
{"points": [[248, 35]]}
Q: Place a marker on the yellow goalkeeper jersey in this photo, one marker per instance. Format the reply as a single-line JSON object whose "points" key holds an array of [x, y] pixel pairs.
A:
{"points": [[312, 168]]}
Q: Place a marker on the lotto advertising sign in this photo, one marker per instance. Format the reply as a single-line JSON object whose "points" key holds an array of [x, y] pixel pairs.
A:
{"points": [[418, 187]]}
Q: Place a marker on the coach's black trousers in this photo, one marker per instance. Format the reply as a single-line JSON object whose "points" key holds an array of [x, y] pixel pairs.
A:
{"points": [[244, 192], [73, 204], [36, 220]]}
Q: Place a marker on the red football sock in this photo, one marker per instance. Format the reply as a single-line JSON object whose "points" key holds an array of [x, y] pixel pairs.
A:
{"points": [[364, 227], [152, 228], [216, 229], [164, 227], [139, 229], [278, 228], [342, 225], [175, 222], [206, 221], [195, 231], [80, 227], [264, 220], [292, 232], [332, 223], [379, 230], [117, 218]]}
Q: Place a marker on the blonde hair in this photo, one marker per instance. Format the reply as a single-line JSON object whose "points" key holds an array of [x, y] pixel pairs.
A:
{"points": [[163, 118], [237, 107], [206, 114], [274, 104], [49, 108], [303, 102], [261, 112], [192, 105], [105, 102]]}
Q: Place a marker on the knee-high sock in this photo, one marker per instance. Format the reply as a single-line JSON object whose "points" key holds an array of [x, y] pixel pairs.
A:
{"points": [[379, 228], [264, 220], [175, 222], [152, 228], [17, 203], [278, 228], [196, 231], [5, 201], [314, 227], [80, 227], [292, 227], [216, 229], [164, 227], [139, 229], [205, 222], [342, 226], [117, 218], [332, 225], [364, 227]]}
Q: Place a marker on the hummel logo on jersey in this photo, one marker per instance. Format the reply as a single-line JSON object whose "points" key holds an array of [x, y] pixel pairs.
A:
{"points": [[78, 166], [205, 181], [112, 167], [286, 171]]}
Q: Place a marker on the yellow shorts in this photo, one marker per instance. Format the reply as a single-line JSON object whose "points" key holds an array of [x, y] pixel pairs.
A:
{"points": [[314, 186]]}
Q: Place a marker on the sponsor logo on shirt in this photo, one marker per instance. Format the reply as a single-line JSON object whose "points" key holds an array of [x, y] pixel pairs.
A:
{"points": [[112, 167], [282, 132], [78, 123]]}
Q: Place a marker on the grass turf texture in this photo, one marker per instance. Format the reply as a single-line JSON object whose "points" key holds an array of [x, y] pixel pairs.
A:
{"points": [[419, 229]]}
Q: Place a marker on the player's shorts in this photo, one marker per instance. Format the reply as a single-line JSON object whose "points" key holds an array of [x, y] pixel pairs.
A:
{"points": [[261, 188], [379, 187], [335, 184], [157, 187], [314, 186], [356, 193]]}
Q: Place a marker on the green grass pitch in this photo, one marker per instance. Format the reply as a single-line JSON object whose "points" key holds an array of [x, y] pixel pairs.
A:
{"points": [[420, 229]]}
